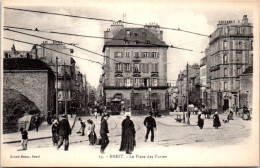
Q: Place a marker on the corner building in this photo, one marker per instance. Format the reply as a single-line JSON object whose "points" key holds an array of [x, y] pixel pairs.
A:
{"points": [[230, 54], [135, 69]]}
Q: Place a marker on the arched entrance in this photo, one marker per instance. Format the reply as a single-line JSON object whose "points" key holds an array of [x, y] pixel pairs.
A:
{"points": [[116, 103], [155, 100]]}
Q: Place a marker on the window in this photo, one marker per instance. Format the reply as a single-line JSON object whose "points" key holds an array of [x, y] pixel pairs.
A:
{"points": [[59, 84], [239, 45], [136, 82], [128, 34], [146, 81], [238, 30], [225, 72], [154, 82], [119, 81], [118, 67], [224, 45], [145, 68], [127, 42], [225, 59], [136, 68], [118, 54], [127, 54], [136, 34], [225, 86], [155, 67], [127, 67], [136, 54], [127, 82], [145, 54], [238, 71], [155, 55]]}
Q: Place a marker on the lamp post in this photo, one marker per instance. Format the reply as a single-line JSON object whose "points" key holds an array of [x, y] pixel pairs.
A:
{"points": [[183, 109], [247, 98], [149, 99]]}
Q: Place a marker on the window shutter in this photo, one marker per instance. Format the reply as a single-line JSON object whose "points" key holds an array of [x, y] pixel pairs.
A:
{"points": [[148, 68], [141, 67]]}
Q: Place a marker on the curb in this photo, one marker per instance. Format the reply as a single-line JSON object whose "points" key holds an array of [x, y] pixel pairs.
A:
{"points": [[33, 139]]}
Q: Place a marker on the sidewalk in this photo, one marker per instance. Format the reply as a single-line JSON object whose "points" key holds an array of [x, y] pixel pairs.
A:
{"points": [[43, 133]]}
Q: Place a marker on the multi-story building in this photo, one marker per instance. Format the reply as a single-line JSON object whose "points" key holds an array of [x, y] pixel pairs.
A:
{"points": [[48, 52], [189, 87], [230, 53], [135, 68]]}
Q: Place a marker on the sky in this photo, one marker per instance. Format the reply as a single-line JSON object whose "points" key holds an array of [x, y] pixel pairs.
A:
{"points": [[196, 17]]}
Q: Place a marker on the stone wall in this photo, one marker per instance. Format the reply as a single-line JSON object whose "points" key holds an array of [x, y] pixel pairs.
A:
{"points": [[32, 84]]}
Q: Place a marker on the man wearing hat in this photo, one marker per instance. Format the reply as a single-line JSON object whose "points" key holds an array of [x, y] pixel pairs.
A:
{"points": [[150, 124], [103, 133], [64, 131]]}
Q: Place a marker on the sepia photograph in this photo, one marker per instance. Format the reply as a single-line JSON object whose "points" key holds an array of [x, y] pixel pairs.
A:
{"points": [[129, 83]]}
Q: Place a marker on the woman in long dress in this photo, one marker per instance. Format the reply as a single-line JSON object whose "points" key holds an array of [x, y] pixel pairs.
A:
{"points": [[200, 121], [216, 121], [92, 135], [128, 136]]}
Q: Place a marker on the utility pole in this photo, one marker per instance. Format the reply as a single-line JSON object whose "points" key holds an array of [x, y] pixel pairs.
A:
{"points": [[57, 104], [65, 92], [187, 86]]}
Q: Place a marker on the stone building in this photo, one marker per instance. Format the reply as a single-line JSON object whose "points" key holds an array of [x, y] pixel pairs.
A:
{"points": [[246, 88], [203, 81], [230, 54], [137, 77], [33, 78]]}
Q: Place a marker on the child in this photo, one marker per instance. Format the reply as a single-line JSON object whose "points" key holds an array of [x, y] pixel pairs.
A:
{"points": [[83, 125], [24, 141]]}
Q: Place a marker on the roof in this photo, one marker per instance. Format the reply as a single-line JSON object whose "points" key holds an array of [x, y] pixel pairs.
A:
{"points": [[138, 37], [25, 64], [248, 70]]}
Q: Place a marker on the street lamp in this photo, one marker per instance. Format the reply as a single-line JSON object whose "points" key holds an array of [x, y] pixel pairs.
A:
{"points": [[183, 108], [247, 96]]}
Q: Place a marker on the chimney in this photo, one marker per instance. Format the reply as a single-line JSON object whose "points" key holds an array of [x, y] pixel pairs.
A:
{"points": [[116, 27], [107, 35], [245, 19], [155, 29]]}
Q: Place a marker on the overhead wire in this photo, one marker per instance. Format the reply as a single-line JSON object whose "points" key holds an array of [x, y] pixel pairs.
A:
{"points": [[79, 35], [99, 19], [71, 44], [12, 39]]}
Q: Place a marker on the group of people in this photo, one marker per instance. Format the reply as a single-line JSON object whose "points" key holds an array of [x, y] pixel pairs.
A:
{"points": [[216, 120]]}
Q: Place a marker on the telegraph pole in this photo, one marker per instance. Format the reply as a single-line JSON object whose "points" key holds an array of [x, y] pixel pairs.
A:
{"points": [[65, 92], [57, 104]]}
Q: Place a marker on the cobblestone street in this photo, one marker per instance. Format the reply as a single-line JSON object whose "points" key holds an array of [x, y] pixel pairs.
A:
{"points": [[169, 136]]}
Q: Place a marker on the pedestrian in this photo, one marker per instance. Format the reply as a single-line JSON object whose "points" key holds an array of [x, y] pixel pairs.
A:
{"points": [[55, 136], [37, 122], [128, 136], [200, 120], [64, 131], [103, 133], [150, 124], [230, 115], [188, 116], [83, 126], [216, 121], [49, 122], [24, 140], [95, 113], [92, 135]]}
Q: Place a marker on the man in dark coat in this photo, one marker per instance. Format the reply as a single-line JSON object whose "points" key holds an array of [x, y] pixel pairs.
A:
{"points": [[37, 123], [128, 135], [216, 121], [103, 133], [64, 131], [150, 124]]}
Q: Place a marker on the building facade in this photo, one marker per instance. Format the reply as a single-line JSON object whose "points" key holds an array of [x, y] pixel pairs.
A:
{"points": [[135, 69], [230, 54]]}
